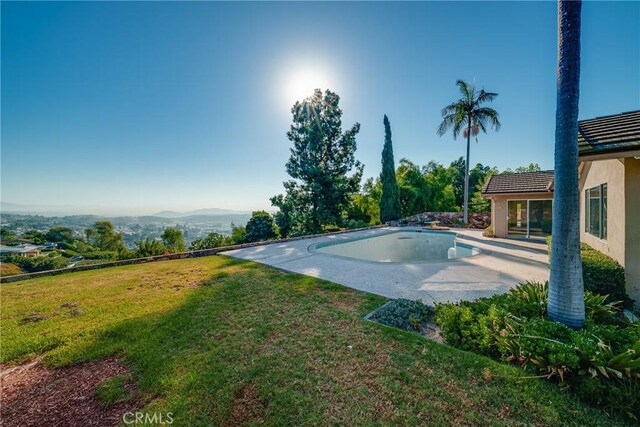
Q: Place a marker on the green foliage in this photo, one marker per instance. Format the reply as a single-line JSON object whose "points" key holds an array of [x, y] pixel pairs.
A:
{"points": [[513, 327], [260, 227], [390, 198], [104, 237], [38, 237], [238, 233], [41, 263], [6, 234], [101, 255], [60, 234], [353, 224], [404, 314], [148, 247], [488, 232], [173, 240], [210, 241], [533, 167], [472, 326], [601, 273], [321, 159]]}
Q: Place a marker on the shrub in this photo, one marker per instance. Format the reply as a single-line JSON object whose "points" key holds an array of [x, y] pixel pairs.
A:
{"points": [[210, 241], [238, 234], [403, 313], [102, 255], [488, 232], [352, 224], [260, 227], [41, 263], [472, 326], [601, 273], [148, 247], [603, 357]]}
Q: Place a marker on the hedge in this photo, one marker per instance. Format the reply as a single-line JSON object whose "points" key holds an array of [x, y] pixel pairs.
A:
{"points": [[602, 274]]}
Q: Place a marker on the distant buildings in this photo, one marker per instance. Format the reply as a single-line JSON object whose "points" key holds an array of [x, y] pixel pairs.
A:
{"points": [[21, 250]]}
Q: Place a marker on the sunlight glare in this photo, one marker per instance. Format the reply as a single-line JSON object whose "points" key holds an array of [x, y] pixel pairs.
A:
{"points": [[302, 83]]}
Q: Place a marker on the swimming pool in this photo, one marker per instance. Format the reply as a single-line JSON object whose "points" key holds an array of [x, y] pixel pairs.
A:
{"points": [[401, 246]]}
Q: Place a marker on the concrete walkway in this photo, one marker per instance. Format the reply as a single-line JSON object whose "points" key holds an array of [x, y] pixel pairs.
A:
{"points": [[503, 264]]}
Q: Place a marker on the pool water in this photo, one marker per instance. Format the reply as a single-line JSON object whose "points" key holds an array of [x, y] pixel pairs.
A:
{"points": [[402, 246]]}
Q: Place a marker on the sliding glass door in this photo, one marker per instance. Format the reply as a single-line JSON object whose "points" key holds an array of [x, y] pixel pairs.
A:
{"points": [[518, 218], [529, 218]]}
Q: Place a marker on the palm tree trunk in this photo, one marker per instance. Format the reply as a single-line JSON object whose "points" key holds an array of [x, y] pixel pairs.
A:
{"points": [[566, 289], [465, 218]]}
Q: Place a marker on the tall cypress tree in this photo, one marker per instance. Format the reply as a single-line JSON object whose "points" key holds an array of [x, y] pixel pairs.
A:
{"points": [[389, 200]]}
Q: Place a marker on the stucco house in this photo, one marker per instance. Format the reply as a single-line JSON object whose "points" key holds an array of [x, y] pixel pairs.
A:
{"points": [[27, 251], [609, 150]]}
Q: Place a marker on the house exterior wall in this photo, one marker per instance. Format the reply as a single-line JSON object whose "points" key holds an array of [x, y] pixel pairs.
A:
{"points": [[612, 173], [632, 213], [623, 212], [500, 213]]}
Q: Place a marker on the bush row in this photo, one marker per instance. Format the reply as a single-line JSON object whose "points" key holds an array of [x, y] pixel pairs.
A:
{"points": [[600, 363], [602, 274]]}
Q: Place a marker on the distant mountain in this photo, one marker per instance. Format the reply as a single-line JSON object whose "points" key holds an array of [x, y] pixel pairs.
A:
{"points": [[6, 207], [197, 212]]}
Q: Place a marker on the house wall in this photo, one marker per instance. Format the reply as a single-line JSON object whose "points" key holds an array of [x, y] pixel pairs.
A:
{"points": [[632, 238], [611, 172], [500, 213], [623, 214]]}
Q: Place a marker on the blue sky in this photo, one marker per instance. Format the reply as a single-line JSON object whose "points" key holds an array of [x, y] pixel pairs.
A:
{"points": [[113, 107]]}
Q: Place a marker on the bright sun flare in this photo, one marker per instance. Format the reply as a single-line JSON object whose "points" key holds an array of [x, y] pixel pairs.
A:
{"points": [[302, 84]]}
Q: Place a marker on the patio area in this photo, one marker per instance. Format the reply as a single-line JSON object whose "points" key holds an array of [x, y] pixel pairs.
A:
{"points": [[502, 264]]}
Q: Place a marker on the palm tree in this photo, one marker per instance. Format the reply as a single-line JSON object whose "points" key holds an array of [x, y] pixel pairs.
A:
{"points": [[566, 289], [469, 115]]}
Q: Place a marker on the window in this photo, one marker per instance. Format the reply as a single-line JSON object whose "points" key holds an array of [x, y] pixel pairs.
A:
{"points": [[596, 211]]}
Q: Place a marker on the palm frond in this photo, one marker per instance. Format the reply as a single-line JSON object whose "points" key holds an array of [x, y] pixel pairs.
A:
{"points": [[450, 109], [490, 115], [466, 90], [485, 97], [448, 122]]}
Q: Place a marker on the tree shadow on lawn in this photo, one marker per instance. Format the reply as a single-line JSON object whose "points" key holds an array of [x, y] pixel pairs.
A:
{"points": [[254, 344]]}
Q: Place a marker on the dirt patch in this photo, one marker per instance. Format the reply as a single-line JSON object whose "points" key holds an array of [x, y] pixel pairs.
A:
{"points": [[247, 406], [34, 317], [34, 395]]}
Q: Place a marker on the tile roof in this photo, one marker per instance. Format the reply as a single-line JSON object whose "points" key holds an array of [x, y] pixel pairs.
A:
{"points": [[525, 182], [609, 134]]}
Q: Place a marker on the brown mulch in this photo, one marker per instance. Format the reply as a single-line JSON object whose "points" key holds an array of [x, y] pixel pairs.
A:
{"points": [[34, 395]]}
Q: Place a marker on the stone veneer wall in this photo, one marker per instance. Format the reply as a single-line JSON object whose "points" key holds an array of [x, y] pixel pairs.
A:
{"points": [[191, 254], [449, 219]]}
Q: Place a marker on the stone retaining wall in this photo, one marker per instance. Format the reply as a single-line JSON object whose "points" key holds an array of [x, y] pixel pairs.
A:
{"points": [[191, 254], [449, 219]]}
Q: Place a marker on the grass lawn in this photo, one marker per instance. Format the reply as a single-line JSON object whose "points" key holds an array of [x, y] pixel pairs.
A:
{"points": [[219, 341]]}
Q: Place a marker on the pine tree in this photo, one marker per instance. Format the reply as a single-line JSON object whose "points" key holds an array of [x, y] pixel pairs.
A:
{"points": [[321, 159], [389, 200]]}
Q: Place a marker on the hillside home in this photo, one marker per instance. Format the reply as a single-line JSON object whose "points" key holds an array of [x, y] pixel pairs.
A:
{"points": [[20, 250]]}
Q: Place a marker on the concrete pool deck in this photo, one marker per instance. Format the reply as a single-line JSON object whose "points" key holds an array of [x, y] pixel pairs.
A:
{"points": [[503, 264]]}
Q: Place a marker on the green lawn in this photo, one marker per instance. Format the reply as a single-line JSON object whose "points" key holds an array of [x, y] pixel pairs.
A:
{"points": [[215, 340]]}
